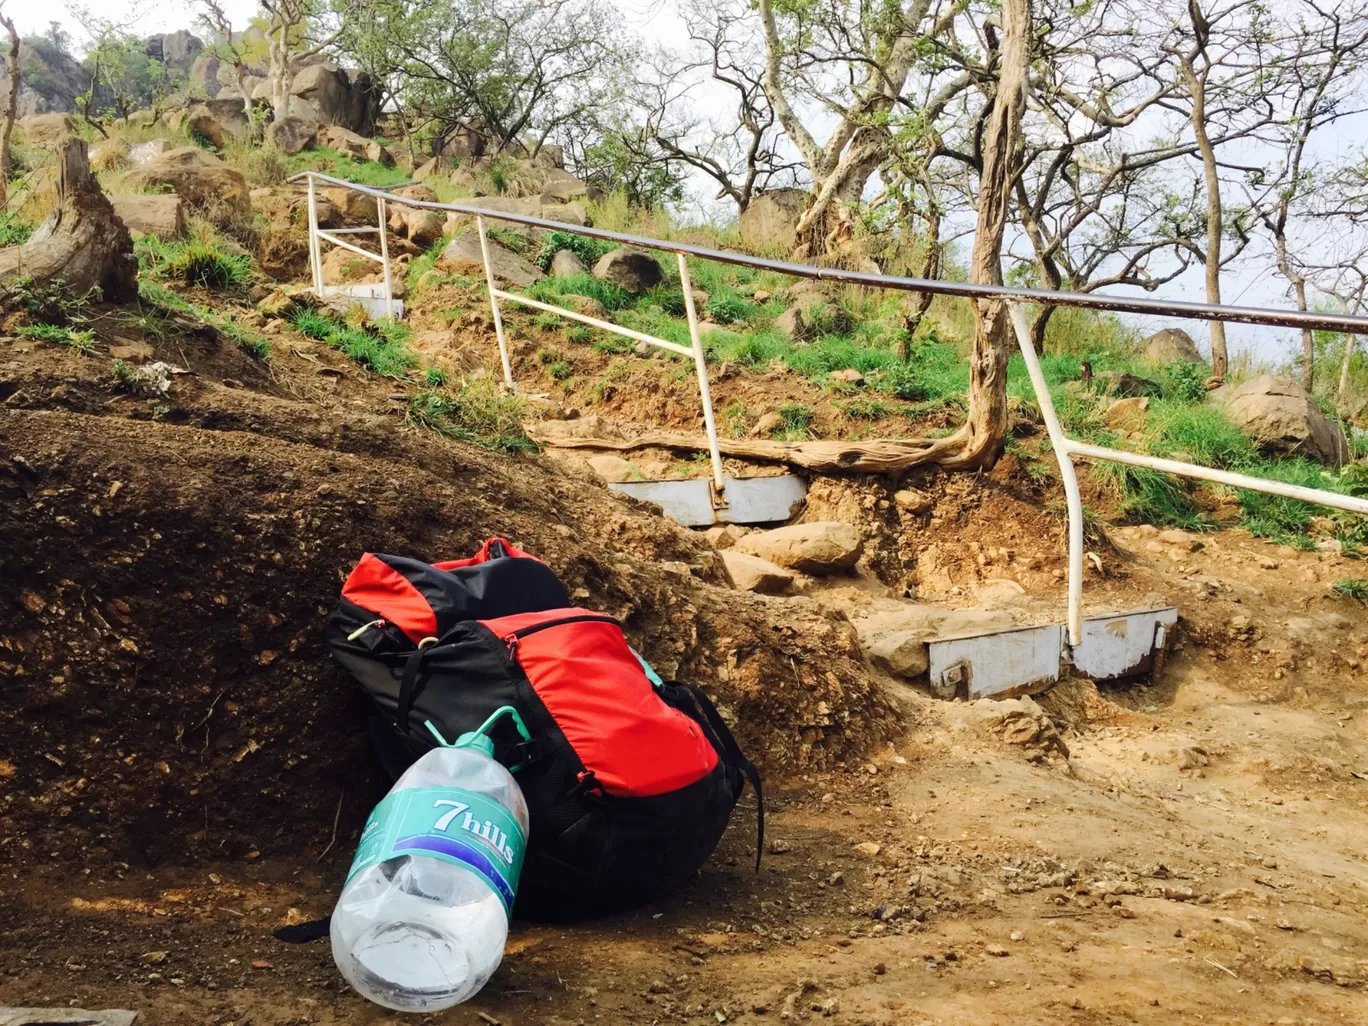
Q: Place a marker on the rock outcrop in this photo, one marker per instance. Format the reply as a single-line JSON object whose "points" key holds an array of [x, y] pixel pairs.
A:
{"points": [[200, 178]]}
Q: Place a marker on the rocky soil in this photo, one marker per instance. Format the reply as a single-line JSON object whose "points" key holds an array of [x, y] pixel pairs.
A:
{"points": [[182, 769]]}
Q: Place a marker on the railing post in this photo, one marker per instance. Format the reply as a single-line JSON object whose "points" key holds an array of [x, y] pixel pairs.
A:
{"points": [[701, 368], [382, 212], [315, 259], [494, 306], [1060, 443]]}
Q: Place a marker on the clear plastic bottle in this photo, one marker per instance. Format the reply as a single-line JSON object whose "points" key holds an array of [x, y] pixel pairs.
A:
{"points": [[423, 916]]}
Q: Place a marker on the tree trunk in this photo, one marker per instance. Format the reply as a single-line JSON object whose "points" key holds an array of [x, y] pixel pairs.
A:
{"points": [[1220, 360], [1350, 344], [985, 431], [82, 243], [930, 270], [280, 73], [1308, 368], [1039, 323], [11, 109]]}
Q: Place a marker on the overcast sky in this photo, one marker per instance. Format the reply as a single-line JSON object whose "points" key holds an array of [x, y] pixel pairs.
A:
{"points": [[1253, 283]]}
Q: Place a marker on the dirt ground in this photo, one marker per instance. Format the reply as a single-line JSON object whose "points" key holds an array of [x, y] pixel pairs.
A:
{"points": [[182, 769]]}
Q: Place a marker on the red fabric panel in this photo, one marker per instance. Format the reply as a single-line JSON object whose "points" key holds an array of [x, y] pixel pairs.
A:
{"points": [[595, 689], [376, 586], [483, 555]]}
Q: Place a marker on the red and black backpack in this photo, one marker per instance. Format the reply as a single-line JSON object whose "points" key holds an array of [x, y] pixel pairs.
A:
{"points": [[629, 780]]}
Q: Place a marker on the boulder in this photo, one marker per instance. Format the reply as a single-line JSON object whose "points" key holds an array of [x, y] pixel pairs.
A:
{"points": [[342, 265], [348, 99], [751, 573], [567, 213], [549, 155], [824, 547], [771, 219], [421, 227], [1171, 345], [562, 187], [462, 256], [160, 216], [433, 166], [527, 206], [358, 147], [175, 51], [588, 306], [203, 80], [145, 153], [292, 134], [462, 142], [1128, 415], [632, 269], [848, 376], [611, 469], [50, 79], [790, 323], [47, 131], [200, 178], [724, 536], [1125, 385], [356, 208], [565, 263], [202, 123], [1280, 416]]}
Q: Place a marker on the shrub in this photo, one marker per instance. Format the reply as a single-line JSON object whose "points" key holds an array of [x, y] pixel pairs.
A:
{"points": [[201, 264], [14, 230], [588, 250]]}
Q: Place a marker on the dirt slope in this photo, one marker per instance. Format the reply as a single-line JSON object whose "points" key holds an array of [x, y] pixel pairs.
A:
{"points": [[182, 769]]}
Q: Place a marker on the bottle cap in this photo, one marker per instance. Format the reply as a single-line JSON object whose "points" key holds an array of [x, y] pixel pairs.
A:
{"points": [[478, 738]]}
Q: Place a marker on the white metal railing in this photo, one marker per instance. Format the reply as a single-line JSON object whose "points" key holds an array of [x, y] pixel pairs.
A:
{"points": [[1065, 448], [317, 236]]}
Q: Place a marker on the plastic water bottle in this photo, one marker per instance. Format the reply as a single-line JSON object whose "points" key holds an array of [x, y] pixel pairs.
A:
{"points": [[423, 917]]}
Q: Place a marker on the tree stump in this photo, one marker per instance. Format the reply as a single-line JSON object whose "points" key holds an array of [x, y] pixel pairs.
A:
{"points": [[82, 244]]}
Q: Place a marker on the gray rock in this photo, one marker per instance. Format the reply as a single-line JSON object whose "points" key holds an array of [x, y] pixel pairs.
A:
{"points": [[462, 256], [145, 153], [632, 269], [348, 99], [159, 216], [1172, 345], [751, 573], [292, 134], [769, 222], [1280, 416], [565, 263]]}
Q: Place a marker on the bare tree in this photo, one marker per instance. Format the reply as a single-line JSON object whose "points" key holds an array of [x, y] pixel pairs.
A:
{"points": [[12, 104], [1220, 53], [852, 63], [740, 149], [291, 38], [1318, 67]]}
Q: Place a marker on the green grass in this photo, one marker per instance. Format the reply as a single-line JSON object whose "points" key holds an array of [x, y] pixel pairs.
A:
{"points": [[477, 412], [82, 342], [1148, 497], [1352, 588], [381, 347], [797, 422], [554, 291], [194, 262], [341, 165]]}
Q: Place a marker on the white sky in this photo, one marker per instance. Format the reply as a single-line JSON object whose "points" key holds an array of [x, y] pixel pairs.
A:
{"points": [[1252, 283]]}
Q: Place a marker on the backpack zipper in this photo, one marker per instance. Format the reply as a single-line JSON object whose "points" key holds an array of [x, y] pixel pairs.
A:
{"points": [[365, 627], [512, 639]]}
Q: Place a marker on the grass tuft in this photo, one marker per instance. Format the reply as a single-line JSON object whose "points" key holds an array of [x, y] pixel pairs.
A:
{"points": [[477, 412], [381, 347]]}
